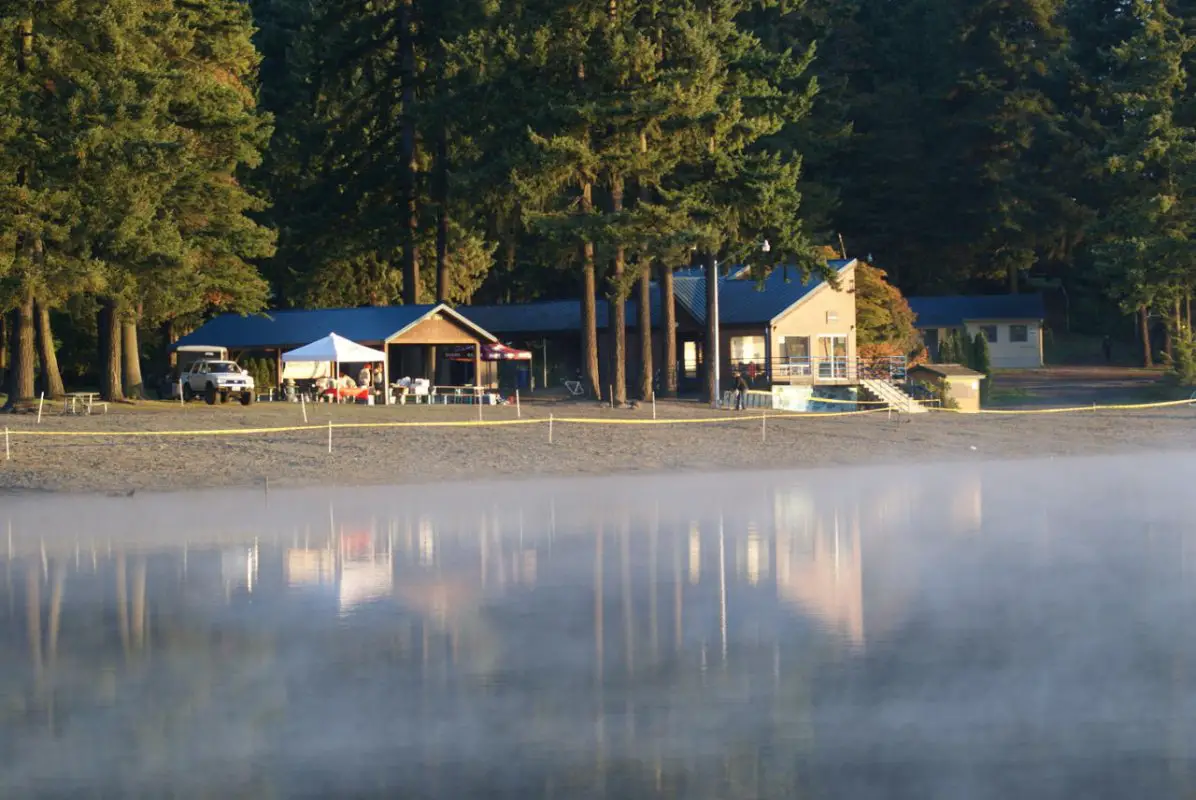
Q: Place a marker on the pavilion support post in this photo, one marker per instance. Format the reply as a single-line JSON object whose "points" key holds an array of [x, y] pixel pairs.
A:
{"points": [[477, 368], [278, 368], [386, 374]]}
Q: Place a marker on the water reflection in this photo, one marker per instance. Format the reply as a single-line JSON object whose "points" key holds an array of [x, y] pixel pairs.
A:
{"points": [[965, 632]]}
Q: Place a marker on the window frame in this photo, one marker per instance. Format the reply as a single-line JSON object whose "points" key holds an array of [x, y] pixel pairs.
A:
{"points": [[1025, 329]]}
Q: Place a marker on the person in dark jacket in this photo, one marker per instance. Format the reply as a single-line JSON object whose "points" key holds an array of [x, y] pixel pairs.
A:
{"points": [[741, 389]]}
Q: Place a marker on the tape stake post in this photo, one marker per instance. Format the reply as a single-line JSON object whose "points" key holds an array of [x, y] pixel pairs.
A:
{"points": [[303, 405], [518, 409], [550, 428], [330, 435], [764, 427], [481, 397], [7, 450], [654, 405], [182, 399], [41, 400]]}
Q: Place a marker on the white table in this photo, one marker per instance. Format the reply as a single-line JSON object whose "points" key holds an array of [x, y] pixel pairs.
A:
{"points": [[82, 402]]}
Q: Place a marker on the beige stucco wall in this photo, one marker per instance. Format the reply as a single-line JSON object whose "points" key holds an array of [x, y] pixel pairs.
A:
{"points": [[1012, 355], [965, 392], [809, 317]]}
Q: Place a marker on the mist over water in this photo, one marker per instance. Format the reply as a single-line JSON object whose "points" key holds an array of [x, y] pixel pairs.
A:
{"points": [[971, 631]]}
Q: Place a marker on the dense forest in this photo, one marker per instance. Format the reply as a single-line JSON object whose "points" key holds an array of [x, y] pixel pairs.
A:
{"points": [[164, 160]]}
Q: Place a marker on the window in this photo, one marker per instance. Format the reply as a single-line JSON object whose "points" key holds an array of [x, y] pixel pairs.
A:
{"points": [[747, 355], [689, 360], [745, 349], [795, 352], [797, 347], [990, 333], [1019, 333], [832, 317]]}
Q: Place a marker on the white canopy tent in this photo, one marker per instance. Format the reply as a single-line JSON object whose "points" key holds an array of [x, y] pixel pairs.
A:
{"points": [[334, 350]]}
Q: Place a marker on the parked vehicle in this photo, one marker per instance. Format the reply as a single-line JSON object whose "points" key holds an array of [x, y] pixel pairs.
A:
{"points": [[217, 380]]}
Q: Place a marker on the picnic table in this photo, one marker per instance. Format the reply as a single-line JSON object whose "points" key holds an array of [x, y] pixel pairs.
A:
{"points": [[82, 402]]}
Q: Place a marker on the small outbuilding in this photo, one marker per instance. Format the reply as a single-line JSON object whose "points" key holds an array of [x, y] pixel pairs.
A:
{"points": [[962, 384], [1012, 324]]}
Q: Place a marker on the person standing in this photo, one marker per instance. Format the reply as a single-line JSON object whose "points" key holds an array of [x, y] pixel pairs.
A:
{"points": [[741, 389], [365, 377]]}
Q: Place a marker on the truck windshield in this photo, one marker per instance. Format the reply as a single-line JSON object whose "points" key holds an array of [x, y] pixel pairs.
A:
{"points": [[225, 368]]}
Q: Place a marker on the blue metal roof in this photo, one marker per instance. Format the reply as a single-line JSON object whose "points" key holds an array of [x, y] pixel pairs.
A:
{"points": [[553, 316], [744, 301], [293, 328], [954, 311], [550, 316]]}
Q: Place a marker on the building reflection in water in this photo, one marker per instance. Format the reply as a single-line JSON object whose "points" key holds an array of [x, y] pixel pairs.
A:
{"points": [[651, 644]]}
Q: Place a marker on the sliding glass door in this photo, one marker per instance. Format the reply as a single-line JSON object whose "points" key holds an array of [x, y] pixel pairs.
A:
{"points": [[832, 357]]}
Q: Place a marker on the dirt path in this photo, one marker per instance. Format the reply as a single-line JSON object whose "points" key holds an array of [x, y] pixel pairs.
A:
{"points": [[418, 455]]}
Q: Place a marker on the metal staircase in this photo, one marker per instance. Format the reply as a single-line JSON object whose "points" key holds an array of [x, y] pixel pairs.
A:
{"points": [[889, 393]]}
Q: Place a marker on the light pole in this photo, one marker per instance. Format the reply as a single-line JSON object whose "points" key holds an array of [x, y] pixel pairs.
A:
{"points": [[715, 345]]}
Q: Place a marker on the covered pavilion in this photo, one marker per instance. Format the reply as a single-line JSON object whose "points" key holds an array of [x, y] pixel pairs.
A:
{"points": [[403, 333]]}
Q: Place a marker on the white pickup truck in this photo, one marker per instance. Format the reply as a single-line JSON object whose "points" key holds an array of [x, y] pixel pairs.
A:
{"points": [[217, 380]]}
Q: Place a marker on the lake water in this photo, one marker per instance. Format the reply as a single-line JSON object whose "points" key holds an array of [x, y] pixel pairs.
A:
{"points": [[971, 631]]}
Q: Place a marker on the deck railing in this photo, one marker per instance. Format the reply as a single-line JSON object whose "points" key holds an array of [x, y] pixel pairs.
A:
{"points": [[835, 369]]}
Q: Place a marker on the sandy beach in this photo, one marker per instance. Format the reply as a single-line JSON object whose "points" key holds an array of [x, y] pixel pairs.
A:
{"points": [[371, 456]]}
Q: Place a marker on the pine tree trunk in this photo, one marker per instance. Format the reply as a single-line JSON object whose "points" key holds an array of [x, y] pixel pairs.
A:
{"points": [[669, 324], [51, 375], [442, 217], [3, 348], [131, 360], [22, 354], [442, 233], [618, 307], [109, 338], [169, 337], [589, 309], [407, 155], [643, 321], [1144, 330], [712, 354]]}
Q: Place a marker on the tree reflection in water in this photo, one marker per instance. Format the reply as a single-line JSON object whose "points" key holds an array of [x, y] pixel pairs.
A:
{"points": [[739, 636]]}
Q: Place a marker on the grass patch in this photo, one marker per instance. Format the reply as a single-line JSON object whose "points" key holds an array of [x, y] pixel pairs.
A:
{"points": [[1009, 394]]}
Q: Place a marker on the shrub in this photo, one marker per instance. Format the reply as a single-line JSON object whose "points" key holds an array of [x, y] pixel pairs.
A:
{"points": [[1181, 364]]}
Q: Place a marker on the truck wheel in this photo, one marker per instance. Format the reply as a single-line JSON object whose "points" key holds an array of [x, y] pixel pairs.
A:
{"points": [[223, 396], [210, 395], [188, 393], [247, 398]]}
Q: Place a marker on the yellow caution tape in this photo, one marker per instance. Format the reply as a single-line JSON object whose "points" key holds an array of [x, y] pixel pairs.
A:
{"points": [[1071, 409], [727, 418]]}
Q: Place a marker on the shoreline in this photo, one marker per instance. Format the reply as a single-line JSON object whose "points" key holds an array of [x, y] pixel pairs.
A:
{"points": [[413, 456]]}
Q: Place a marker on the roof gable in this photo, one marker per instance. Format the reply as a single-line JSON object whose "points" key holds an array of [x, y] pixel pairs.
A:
{"points": [[744, 301]]}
